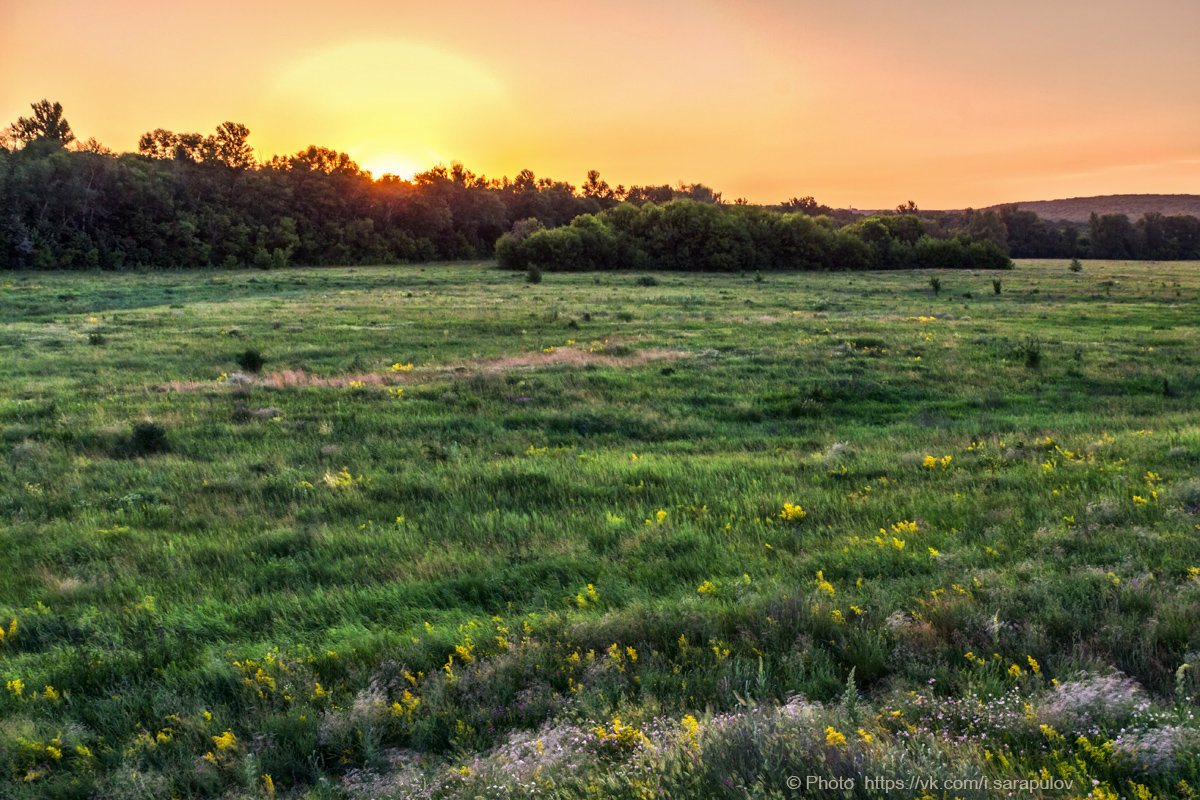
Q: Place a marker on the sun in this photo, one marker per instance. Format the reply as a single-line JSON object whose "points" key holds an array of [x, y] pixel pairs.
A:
{"points": [[380, 164], [394, 105]]}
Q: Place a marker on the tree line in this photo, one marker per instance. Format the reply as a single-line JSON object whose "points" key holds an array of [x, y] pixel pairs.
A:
{"points": [[687, 235], [1023, 234], [187, 199]]}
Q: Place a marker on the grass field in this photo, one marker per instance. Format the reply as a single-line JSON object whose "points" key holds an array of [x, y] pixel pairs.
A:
{"points": [[721, 536]]}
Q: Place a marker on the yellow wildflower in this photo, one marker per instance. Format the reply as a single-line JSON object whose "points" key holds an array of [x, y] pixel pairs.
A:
{"points": [[226, 741], [792, 513], [691, 727], [408, 703], [834, 739]]}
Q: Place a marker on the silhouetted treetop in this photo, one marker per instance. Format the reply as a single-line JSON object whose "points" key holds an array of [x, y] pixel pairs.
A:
{"points": [[47, 122], [317, 159]]}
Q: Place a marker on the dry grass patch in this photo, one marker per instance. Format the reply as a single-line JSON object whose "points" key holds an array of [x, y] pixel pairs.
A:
{"points": [[559, 356], [572, 357]]}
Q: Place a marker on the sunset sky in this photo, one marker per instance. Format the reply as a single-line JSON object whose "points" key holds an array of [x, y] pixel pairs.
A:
{"points": [[868, 104]]}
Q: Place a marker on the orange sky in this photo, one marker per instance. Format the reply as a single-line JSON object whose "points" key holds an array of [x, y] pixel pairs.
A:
{"points": [[951, 104]]}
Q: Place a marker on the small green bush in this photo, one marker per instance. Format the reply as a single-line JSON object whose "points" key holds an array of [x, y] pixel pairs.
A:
{"points": [[1030, 351], [147, 438], [251, 360]]}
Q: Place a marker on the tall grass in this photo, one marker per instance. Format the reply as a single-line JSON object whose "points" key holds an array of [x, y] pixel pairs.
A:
{"points": [[459, 522]]}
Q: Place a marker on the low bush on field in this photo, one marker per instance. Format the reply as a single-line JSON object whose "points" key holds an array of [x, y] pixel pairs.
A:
{"points": [[689, 236]]}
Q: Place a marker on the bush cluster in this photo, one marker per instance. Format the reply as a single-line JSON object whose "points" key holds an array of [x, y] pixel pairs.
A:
{"points": [[685, 235]]}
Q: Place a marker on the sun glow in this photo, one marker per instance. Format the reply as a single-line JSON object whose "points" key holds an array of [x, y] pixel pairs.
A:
{"points": [[403, 103], [380, 164], [759, 100]]}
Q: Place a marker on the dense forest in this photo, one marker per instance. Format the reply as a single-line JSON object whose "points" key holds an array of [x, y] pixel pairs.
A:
{"points": [[189, 200]]}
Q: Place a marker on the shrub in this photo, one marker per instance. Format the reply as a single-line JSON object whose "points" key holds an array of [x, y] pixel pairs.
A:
{"points": [[262, 258], [533, 274], [1030, 351], [251, 360], [508, 252], [690, 236], [147, 438]]}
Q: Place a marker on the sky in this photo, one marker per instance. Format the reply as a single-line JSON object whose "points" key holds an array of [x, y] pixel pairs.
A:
{"points": [[865, 105]]}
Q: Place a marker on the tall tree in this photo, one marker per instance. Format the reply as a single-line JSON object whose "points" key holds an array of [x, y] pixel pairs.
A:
{"points": [[595, 186], [1113, 236], [230, 147], [166, 145], [158, 143], [47, 122], [806, 205]]}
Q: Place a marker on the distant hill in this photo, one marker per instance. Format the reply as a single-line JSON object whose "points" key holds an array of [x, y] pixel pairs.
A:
{"points": [[1078, 209]]}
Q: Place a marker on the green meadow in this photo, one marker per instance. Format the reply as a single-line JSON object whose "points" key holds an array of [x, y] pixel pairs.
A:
{"points": [[436, 531]]}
